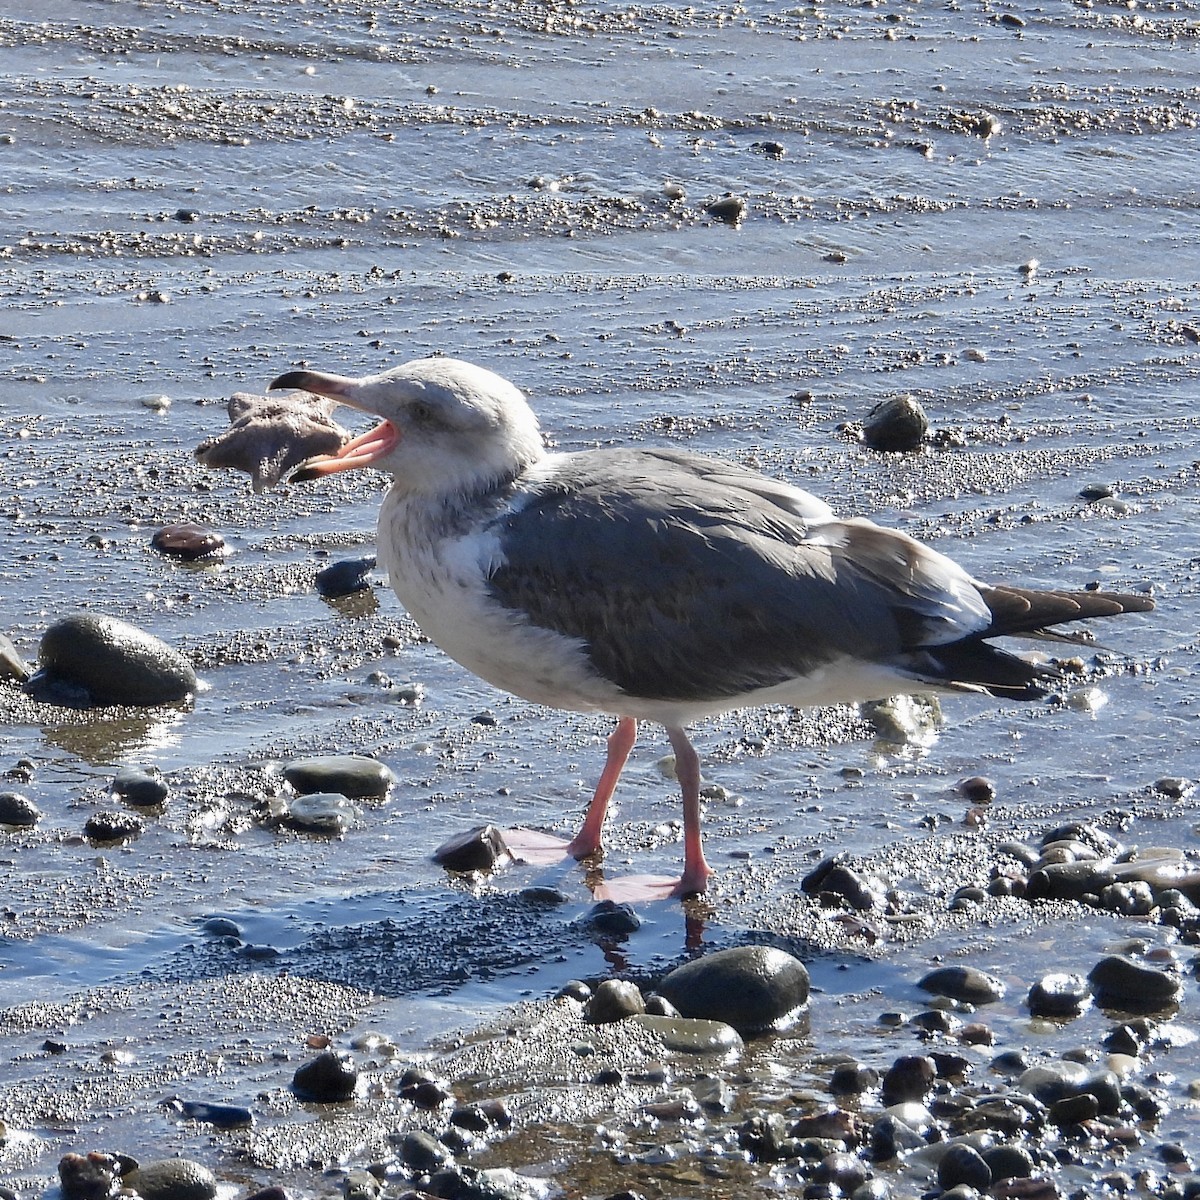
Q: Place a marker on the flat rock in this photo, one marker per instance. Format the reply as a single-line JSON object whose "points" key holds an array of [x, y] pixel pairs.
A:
{"points": [[173, 1179], [963, 983], [352, 775]]}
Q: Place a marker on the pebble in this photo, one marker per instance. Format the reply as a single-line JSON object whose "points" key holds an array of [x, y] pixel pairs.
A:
{"points": [[1119, 982], [321, 812], [18, 810], [614, 1000], [964, 983], [962, 1165], [113, 662], [728, 208], [611, 919], [898, 424], [422, 1089], [328, 1077], [173, 1179], [477, 849], [752, 988], [353, 775], [113, 827], [909, 1078], [220, 1116], [422, 1152], [189, 542], [142, 789], [832, 880], [1059, 995], [344, 578]]}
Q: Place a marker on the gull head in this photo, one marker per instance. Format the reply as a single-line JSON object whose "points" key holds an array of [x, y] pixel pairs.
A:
{"points": [[447, 426]]}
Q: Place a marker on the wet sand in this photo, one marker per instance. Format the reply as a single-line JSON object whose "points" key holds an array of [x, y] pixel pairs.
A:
{"points": [[200, 198]]}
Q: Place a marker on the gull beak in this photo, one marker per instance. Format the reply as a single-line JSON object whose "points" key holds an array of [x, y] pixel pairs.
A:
{"points": [[362, 451]]}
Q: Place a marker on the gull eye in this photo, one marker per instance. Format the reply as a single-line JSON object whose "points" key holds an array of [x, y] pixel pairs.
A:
{"points": [[421, 412]]}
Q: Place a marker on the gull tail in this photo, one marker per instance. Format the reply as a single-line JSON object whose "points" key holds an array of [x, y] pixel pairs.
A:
{"points": [[974, 663]]}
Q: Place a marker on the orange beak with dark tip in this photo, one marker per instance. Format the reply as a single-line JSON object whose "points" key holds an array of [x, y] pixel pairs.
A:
{"points": [[363, 451]]}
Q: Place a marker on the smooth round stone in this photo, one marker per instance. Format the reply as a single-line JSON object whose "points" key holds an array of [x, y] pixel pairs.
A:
{"points": [[963, 1165], [896, 424], [173, 1179], [1052, 1081], [909, 1078], [1119, 982], [964, 983], [345, 578], [219, 1116], [614, 1000], [421, 1151], [321, 812], [12, 665], [890, 1136], [1009, 1162], [354, 775], [114, 662], [188, 541], [692, 1036], [1059, 995], [143, 789], [18, 810], [328, 1077], [752, 988]]}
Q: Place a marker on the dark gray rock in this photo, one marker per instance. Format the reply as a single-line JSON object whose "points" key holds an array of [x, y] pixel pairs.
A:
{"points": [[1059, 995], [93, 1176], [173, 1179], [752, 988], [477, 849], [963, 1165], [220, 1116], [113, 827], [422, 1152], [188, 542], [113, 662], [614, 1000], [321, 812], [327, 1078], [964, 983], [345, 578], [353, 775], [1119, 982], [909, 1078], [18, 810], [1069, 881], [142, 789], [896, 424]]}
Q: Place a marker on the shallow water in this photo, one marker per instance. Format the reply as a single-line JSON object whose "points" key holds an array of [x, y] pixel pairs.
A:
{"points": [[198, 197]]}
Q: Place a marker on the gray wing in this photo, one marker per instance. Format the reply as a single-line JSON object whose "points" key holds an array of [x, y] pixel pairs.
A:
{"points": [[690, 579]]}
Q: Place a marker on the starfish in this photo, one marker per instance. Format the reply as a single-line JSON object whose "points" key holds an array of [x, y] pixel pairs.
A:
{"points": [[270, 435]]}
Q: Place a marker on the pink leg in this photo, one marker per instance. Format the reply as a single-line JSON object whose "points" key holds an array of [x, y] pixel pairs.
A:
{"points": [[696, 870], [620, 743]]}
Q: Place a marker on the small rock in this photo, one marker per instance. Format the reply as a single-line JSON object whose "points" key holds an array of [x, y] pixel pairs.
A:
{"points": [[909, 1078], [353, 775], [613, 920], [728, 208], [420, 1151], [897, 424], [328, 1077], [321, 812], [963, 1165], [477, 849], [614, 1000], [189, 542], [361, 1185], [752, 988], [113, 827], [173, 1179], [220, 1116], [345, 578], [18, 811], [964, 983], [1059, 995], [687, 1035], [1119, 982], [142, 789], [114, 662]]}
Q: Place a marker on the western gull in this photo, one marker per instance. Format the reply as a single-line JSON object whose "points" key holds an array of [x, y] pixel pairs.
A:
{"points": [[658, 584]]}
